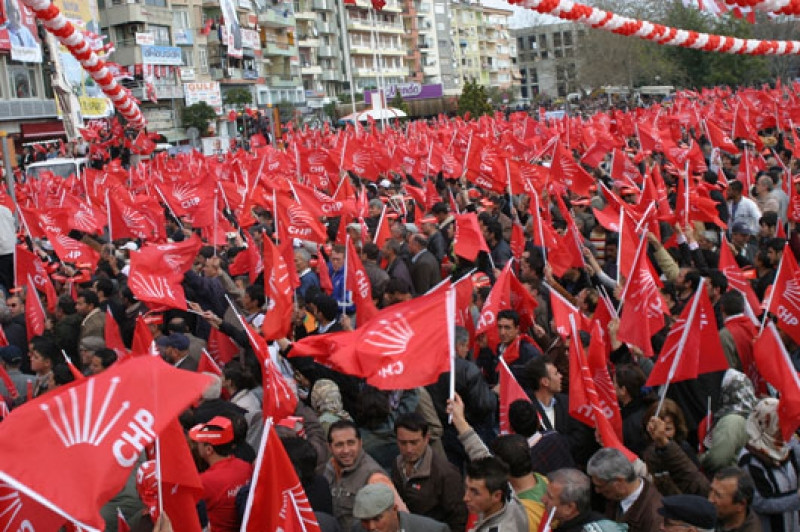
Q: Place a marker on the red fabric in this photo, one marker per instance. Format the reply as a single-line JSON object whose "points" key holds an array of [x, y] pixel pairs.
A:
{"points": [[29, 264], [207, 365], [182, 488], [113, 337], [34, 312], [192, 200], [122, 524], [785, 299], [357, 282], [132, 219], [736, 279], [248, 261], [298, 222], [278, 319], [598, 366], [142, 339], [510, 391], [13, 393], [744, 331], [280, 400], [719, 139], [774, 364], [468, 240], [142, 144], [221, 482], [695, 331], [325, 282], [517, 241], [19, 512], [221, 348], [565, 171], [277, 500], [497, 300], [71, 251], [156, 272], [383, 232], [92, 451], [644, 308]]}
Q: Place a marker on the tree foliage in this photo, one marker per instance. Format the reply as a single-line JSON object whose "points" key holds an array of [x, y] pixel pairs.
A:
{"points": [[238, 97], [398, 103], [198, 115], [474, 100]]}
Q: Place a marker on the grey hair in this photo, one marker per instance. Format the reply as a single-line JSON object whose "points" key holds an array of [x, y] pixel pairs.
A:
{"points": [[575, 487], [303, 254], [609, 464], [375, 202], [214, 389]]}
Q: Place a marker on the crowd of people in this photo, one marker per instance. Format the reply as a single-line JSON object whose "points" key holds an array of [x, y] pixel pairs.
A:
{"points": [[709, 455]]}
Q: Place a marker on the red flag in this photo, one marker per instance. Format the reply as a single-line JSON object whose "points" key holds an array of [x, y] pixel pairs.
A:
{"points": [[280, 401], [298, 222], [517, 241], [122, 524], [383, 232], [207, 27], [71, 251], [358, 282], [584, 402], [28, 264], [793, 210], [248, 261], [468, 240], [143, 339], [736, 279], [278, 320], [644, 306], [719, 139], [20, 513], [221, 348], [142, 144], [276, 500], [182, 487], [776, 367], [695, 330], [113, 337], [565, 171], [510, 391], [784, 302], [598, 367], [207, 365], [76, 374], [132, 219], [13, 393], [34, 312], [325, 282], [89, 435], [157, 271]]}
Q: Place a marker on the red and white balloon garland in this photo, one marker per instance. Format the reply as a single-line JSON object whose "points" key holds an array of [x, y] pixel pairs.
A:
{"points": [[80, 48], [666, 35], [779, 7]]}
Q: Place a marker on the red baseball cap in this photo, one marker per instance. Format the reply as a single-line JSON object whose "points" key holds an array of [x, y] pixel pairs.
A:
{"points": [[218, 431], [474, 193]]}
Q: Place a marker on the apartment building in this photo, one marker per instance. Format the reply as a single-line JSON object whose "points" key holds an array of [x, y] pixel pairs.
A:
{"points": [[547, 58]]}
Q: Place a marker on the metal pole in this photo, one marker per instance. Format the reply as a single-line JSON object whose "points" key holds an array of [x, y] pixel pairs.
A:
{"points": [[347, 58]]}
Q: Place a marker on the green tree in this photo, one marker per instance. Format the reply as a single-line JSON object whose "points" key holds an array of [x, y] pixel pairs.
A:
{"points": [[285, 111], [238, 97], [198, 115], [398, 103], [474, 100]]}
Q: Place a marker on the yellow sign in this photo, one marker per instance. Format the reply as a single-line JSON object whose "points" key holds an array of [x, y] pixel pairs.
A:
{"points": [[93, 106]]}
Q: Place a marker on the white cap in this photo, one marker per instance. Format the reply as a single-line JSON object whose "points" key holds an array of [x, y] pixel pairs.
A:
{"points": [[130, 246]]}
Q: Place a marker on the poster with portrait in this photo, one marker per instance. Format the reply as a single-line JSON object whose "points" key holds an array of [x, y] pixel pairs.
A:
{"points": [[83, 14], [232, 33], [18, 32]]}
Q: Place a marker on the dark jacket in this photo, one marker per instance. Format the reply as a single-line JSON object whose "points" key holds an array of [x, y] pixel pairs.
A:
{"points": [[578, 523], [673, 470], [632, 432], [751, 524], [425, 272], [643, 514], [435, 489], [345, 483], [437, 245]]}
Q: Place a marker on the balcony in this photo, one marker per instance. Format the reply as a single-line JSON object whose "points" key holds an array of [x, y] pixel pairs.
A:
{"points": [[430, 70], [325, 28], [285, 82], [364, 25], [330, 75], [117, 14], [308, 42], [314, 70], [305, 15], [274, 18], [323, 5], [163, 92], [282, 49], [216, 74], [327, 51]]}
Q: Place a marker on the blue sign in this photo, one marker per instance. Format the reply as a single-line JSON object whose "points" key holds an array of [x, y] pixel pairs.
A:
{"points": [[183, 36], [161, 55]]}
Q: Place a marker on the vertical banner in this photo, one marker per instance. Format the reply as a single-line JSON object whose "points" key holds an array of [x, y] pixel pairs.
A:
{"points": [[83, 14], [232, 31], [18, 32]]}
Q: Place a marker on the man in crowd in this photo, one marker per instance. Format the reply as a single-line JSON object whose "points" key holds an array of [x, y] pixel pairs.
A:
{"points": [[732, 495]]}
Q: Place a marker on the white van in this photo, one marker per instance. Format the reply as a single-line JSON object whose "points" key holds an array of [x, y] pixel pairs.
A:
{"points": [[63, 167]]}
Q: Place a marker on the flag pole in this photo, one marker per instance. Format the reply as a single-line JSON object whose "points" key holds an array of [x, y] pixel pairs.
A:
{"points": [[639, 248], [108, 210], [772, 293], [216, 215], [380, 224], [158, 477], [451, 339], [256, 468], [681, 343]]}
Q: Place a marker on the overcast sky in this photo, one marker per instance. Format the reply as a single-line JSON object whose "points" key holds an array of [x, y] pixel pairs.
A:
{"points": [[522, 17]]}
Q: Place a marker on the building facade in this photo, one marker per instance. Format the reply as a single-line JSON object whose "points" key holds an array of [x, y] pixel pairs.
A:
{"points": [[547, 58]]}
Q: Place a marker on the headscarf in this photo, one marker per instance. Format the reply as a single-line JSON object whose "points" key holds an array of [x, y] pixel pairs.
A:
{"points": [[738, 395], [764, 432], [326, 397]]}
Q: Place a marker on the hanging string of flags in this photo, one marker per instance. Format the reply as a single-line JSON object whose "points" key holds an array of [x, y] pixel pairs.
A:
{"points": [[81, 49], [667, 35]]}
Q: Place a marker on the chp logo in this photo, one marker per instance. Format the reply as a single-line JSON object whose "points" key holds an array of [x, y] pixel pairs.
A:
{"points": [[72, 248], [89, 417], [12, 511], [391, 338], [150, 287], [299, 217]]}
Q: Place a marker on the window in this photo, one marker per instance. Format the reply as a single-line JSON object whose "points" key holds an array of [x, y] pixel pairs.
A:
{"points": [[520, 43], [557, 40], [156, 3], [22, 79], [160, 34], [568, 39], [202, 59], [187, 56], [180, 19]]}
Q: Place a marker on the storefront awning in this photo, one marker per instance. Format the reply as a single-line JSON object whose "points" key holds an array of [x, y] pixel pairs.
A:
{"points": [[42, 130]]}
